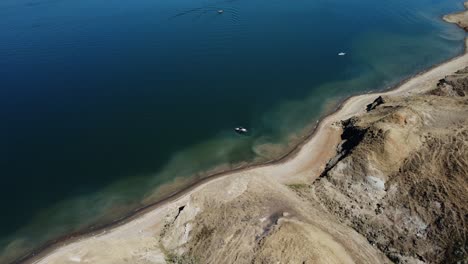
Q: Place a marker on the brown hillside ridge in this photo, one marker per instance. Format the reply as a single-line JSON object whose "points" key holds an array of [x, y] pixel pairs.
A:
{"points": [[403, 182], [384, 179]]}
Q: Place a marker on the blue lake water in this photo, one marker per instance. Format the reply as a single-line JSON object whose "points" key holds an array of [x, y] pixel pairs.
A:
{"points": [[102, 101]]}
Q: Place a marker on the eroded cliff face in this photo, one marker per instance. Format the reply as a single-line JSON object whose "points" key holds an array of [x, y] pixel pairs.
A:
{"points": [[404, 184]]}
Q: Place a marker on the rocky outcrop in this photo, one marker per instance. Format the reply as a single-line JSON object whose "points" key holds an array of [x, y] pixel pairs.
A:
{"points": [[404, 185], [352, 135], [378, 101], [454, 85]]}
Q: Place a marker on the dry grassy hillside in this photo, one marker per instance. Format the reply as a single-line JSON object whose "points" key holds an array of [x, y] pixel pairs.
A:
{"points": [[260, 222], [401, 175]]}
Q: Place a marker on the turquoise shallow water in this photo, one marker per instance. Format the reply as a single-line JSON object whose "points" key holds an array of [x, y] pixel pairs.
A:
{"points": [[103, 101]]}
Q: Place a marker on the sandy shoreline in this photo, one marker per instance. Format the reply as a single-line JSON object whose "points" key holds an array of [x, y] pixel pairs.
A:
{"points": [[312, 153]]}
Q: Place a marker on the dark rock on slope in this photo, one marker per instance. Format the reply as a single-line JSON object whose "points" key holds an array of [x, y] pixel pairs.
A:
{"points": [[404, 186]]}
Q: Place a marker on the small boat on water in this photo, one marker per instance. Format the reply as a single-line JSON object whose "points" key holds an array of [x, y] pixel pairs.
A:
{"points": [[341, 53], [220, 11], [241, 130]]}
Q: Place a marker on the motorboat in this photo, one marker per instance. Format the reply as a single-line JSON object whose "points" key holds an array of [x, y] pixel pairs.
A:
{"points": [[220, 11], [341, 53], [241, 130]]}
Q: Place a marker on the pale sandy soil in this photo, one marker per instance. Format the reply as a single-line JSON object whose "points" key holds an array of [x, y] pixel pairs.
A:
{"points": [[460, 18], [250, 216]]}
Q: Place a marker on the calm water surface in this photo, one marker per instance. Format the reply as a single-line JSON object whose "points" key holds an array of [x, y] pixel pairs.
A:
{"points": [[103, 101]]}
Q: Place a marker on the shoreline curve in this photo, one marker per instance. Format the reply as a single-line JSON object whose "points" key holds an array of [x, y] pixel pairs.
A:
{"points": [[326, 120]]}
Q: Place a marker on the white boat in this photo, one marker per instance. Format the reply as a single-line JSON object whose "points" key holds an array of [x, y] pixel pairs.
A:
{"points": [[241, 130], [220, 11], [341, 54]]}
